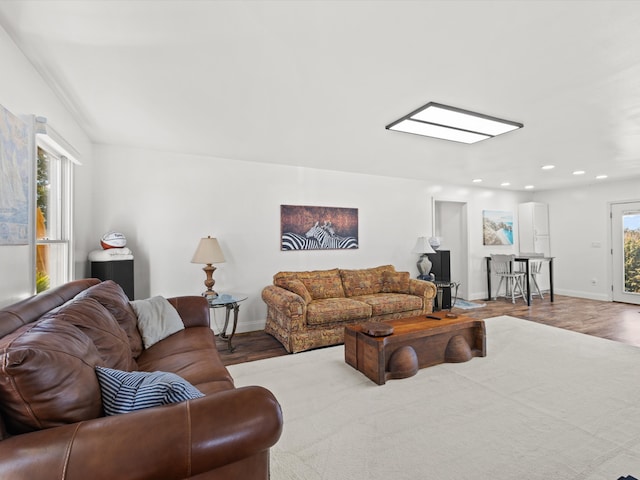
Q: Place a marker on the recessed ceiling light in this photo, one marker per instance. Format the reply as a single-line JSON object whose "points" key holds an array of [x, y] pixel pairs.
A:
{"points": [[505, 184], [477, 180], [579, 172], [548, 167], [451, 123], [600, 177], [529, 187]]}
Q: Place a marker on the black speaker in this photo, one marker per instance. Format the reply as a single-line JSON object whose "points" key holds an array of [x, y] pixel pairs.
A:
{"points": [[441, 265], [441, 268], [120, 271]]}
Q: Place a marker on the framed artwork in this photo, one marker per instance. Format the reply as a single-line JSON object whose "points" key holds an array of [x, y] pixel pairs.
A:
{"points": [[497, 227], [318, 228], [14, 179]]}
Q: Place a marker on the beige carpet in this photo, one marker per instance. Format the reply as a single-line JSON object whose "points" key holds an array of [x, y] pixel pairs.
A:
{"points": [[544, 404]]}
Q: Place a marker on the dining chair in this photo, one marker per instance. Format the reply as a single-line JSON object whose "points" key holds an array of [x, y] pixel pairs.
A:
{"points": [[534, 270], [535, 267], [502, 265]]}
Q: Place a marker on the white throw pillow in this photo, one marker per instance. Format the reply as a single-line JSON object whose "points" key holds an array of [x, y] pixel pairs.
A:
{"points": [[157, 319]]}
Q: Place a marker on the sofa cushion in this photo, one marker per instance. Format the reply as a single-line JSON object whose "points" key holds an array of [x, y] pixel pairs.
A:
{"points": [[335, 310], [319, 283], [386, 303], [111, 295], [192, 354], [47, 376], [157, 319], [124, 392], [366, 281], [395, 282], [294, 285], [95, 321]]}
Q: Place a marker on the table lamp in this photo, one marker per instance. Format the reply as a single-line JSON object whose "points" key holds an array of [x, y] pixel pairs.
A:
{"points": [[424, 264], [207, 253]]}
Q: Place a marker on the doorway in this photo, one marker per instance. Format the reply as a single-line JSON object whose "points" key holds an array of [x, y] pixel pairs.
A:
{"points": [[625, 251], [450, 224]]}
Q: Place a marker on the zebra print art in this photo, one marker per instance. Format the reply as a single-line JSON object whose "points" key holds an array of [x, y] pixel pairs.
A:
{"points": [[327, 238], [294, 241], [305, 227]]}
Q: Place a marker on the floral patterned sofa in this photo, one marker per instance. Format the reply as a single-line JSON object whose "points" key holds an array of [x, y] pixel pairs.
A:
{"points": [[307, 310]]}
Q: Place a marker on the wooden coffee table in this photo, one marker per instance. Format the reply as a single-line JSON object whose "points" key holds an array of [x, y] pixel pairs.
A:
{"points": [[415, 343]]}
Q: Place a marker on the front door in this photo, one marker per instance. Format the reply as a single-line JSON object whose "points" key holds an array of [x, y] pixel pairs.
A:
{"points": [[625, 251]]}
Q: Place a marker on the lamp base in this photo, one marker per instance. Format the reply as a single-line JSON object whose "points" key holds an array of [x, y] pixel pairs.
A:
{"points": [[424, 265], [209, 282]]}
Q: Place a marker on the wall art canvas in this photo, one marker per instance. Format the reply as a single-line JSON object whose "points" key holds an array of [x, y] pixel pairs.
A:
{"points": [[14, 179], [497, 227], [318, 228]]}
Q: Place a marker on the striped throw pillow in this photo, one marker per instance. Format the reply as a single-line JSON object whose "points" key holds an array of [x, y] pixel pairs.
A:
{"points": [[124, 392]]}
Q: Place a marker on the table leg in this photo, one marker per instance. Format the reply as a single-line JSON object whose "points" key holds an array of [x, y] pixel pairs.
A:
{"points": [[488, 278], [223, 334], [551, 279], [235, 307], [528, 282]]}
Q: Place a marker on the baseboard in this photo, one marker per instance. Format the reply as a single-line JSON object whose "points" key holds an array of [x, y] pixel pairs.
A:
{"points": [[603, 297], [476, 297], [253, 326], [217, 325]]}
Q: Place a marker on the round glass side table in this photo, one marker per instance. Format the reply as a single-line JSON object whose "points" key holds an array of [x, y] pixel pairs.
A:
{"points": [[228, 301]]}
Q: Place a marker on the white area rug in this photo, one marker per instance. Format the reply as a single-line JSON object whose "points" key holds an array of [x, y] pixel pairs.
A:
{"points": [[544, 404]]}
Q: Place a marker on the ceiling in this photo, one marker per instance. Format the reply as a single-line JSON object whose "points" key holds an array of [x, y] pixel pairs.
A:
{"points": [[313, 83]]}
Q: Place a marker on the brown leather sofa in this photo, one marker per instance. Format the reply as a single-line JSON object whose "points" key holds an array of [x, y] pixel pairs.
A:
{"points": [[52, 422]]}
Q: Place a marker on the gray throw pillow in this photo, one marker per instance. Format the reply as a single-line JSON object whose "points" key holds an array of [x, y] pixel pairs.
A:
{"points": [[157, 319]]}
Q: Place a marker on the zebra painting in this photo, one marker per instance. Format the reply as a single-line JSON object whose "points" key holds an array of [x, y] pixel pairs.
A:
{"points": [[327, 238], [293, 241], [340, 229]]}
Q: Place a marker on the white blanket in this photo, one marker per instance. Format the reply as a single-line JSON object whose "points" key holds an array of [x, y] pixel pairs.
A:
{"points": [[110, 254]]}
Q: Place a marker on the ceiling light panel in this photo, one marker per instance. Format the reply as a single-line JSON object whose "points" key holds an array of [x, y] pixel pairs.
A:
{"points": [[463, 120], [451, 123], [429, 130]]}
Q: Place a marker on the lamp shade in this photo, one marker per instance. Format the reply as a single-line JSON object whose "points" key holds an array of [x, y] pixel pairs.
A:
{"points": [[208, 252], [423, 246]]}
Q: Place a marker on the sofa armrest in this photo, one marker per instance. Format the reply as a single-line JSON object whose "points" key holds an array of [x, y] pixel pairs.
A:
{"points": [[193, 310], [288, 305], [424, 289], [170, 442]]}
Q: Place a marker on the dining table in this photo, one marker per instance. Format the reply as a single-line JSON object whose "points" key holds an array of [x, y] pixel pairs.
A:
{"points": [[526, 259]]}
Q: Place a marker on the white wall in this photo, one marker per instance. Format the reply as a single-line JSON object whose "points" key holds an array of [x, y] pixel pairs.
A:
{"points": [[477, 200], [24, 93], [579, 219], [164, 202]]}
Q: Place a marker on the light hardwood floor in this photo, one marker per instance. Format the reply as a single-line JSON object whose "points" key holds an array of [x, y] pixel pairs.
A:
{"points": [[615, 321]]}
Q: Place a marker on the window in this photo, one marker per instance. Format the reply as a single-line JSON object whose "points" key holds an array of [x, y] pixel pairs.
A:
{"points": [[53, 218]]}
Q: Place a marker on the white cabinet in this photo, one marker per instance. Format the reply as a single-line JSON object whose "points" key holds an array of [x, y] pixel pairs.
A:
{"points": [[533, 235], [533, 228]]}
